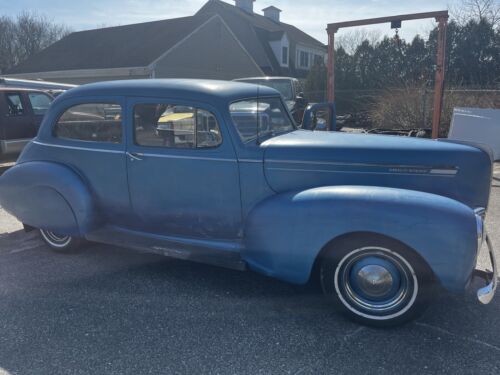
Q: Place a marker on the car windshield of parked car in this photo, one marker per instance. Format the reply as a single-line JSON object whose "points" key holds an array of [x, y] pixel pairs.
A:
{"points": [[39, 102], [260, 118], [283, 86]]}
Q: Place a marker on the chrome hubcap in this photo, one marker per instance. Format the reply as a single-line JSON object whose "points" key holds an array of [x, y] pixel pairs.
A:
{"points": [[376, 283]]}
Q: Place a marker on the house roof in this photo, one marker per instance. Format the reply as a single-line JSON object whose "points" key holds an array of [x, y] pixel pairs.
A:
{"points": [[254, 31], [228, 11], [136, 45]]}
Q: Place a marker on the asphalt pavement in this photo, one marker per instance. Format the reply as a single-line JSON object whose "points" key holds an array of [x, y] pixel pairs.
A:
{"points": [[109, 310]]}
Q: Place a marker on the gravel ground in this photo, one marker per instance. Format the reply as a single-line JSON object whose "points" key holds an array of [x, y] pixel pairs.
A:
{"points": [[113, 311]]}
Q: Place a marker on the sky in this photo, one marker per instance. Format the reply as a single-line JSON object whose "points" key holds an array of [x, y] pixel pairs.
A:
{"points": [[310, 16]]}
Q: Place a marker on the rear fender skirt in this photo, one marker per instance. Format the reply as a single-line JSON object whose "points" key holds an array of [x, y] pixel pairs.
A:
{"points": [[49, 196]]}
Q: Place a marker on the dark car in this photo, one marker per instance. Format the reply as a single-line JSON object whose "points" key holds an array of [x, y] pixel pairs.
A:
{"points": [[21, 112], [290, 89]]}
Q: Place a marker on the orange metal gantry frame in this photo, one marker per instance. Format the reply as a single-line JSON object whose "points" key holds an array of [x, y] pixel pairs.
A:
{"points": [[441, 18]]}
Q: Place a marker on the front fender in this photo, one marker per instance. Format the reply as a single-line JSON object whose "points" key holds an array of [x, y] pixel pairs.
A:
{"points": [[285, 233], [49, 196]]}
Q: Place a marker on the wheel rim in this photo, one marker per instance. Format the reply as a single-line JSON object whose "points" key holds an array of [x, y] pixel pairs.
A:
{"points": [[55, 239], [376, 283]]}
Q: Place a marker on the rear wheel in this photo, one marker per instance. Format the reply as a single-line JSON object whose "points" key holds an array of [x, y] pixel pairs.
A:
{"points": [[376, 280], [60, 243]]}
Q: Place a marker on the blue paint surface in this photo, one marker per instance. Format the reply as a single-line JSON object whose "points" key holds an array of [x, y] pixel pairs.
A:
{"points": [[274, 204]]}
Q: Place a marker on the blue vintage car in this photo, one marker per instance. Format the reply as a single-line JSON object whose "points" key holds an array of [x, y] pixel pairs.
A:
{"points": [[218, 172]]}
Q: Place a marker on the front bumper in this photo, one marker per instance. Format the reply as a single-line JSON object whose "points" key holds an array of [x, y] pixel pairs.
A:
{"points": [[486, 293]]}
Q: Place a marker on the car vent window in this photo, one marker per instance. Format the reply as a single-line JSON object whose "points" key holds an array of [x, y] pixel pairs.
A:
{"points": [[94, 122], [175, 126]]}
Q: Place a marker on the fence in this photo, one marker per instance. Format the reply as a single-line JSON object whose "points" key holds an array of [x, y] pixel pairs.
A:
{"points": [[405, 108]]}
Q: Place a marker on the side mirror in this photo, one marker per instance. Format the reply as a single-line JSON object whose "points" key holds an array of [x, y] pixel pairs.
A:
{"points": [[320, 116]]}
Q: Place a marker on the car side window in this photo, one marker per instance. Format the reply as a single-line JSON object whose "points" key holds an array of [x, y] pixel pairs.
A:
{"points": [[39, 102], [94, 122], [175, 126], [15, 105]]}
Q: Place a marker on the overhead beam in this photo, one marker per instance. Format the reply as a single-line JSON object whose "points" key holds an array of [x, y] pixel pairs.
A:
{"points": [[334, 27]]}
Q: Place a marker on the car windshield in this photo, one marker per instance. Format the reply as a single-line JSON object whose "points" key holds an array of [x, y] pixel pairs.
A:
{"points": [[284, 86], [260, 118]]}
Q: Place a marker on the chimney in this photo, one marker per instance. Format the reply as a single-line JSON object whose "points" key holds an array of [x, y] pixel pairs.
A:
{"points": [[272, 13], [246, 5]]}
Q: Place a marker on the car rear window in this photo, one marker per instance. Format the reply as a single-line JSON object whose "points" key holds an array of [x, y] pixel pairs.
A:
{"points": [[94, 122]]}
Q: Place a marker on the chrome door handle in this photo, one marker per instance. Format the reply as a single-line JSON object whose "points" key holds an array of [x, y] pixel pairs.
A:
{"points": [[134, 156]]}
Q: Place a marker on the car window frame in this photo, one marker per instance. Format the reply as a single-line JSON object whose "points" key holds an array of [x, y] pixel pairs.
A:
{"points": [[23, 103], [85, 143], [136, 100]]}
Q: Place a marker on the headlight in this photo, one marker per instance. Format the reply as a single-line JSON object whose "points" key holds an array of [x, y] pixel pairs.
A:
{"points": [[480, 215]]}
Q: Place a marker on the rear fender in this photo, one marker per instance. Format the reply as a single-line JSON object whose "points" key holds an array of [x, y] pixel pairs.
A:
{"points": [[285, 233], [49, 196]]}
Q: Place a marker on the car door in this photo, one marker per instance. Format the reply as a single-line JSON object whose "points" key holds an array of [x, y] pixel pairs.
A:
{"points": [[18, 119], [182, 170]]}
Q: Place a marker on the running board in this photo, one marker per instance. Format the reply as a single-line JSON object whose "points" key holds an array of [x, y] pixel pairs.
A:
{"points": [[220, 253]]}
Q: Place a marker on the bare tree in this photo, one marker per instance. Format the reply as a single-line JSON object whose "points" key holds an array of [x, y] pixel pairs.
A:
{"points": [[26, 35], [465, 10], [7, 43], [350, 40], [35, 32]]}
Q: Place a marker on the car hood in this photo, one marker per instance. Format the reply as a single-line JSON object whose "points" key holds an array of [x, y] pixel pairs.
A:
{"points": [[304, 159]]}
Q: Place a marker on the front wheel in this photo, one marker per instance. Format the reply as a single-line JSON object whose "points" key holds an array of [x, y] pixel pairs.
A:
{"points": [[376, 281], [60, 243]]}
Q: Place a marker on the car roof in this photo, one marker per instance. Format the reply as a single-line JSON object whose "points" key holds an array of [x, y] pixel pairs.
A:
{"points": [[264, 78], [172, 88], [24, 89]]}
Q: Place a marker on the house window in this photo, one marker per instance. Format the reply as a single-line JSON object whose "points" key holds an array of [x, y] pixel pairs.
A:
{"points": [[304, 59], [94, 122], [284, 56], [175, 126]]}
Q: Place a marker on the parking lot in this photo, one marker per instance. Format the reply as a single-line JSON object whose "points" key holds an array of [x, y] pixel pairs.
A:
{"points": [[108, 310]]}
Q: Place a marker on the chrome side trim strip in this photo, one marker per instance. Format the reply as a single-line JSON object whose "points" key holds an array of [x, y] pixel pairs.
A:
{"points": [[433, 170], [142, 154], [79, 148], [451, 172], [351, 172], [187, 157], [258, 161]]}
